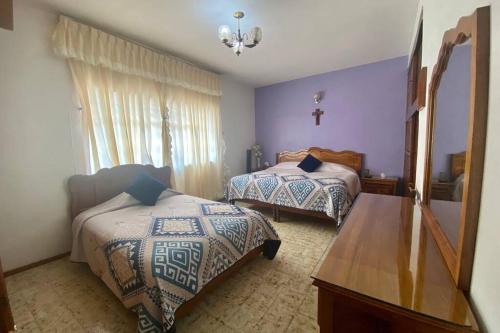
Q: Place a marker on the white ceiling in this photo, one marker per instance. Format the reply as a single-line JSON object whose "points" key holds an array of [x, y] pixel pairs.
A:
{"points": [[300, 37]]}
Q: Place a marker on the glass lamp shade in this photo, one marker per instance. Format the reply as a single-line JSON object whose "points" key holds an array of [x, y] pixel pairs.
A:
{"points": [[256, 34], [224, 33], [238, 47]]}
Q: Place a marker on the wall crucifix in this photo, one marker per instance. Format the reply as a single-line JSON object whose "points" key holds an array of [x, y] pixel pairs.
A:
{"points": [[318, 113]]}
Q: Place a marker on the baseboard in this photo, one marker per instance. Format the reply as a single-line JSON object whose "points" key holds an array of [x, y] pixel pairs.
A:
{"points": [[35, 264]]}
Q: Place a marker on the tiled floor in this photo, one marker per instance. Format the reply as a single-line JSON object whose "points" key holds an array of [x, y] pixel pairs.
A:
{"points": [[265, 296]]}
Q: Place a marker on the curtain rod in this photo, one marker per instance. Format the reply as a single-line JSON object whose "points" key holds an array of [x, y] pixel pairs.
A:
{"points": [[138, 43]]}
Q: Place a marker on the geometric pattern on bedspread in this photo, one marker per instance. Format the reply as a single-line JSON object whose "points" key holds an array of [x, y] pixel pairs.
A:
{"points": [[301, 189], [180, 226], [178, 262], [123, 260], [338, 194], [240, 182], [233, 229], [146, 322], [267, 185], [179, 255], [220, 258], [215, 209], [305, 191]]}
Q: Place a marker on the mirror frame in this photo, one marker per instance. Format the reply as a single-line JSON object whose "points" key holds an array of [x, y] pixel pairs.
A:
{"points": [[475, 27]]}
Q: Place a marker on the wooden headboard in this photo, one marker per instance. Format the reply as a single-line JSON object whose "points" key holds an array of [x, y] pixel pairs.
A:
{"points": [[348, 158], [87, 191], [457, 164]]}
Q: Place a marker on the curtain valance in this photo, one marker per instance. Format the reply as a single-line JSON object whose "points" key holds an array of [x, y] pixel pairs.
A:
{"points": [[78, 41]]}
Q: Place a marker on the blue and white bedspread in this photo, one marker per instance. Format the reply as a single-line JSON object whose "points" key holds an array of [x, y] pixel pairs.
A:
{"points": [[156, 258], [330, 190]]}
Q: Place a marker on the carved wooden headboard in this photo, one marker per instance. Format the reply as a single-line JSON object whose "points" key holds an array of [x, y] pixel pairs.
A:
{"points": [[457, 164], [87, 191], [348, 158]]}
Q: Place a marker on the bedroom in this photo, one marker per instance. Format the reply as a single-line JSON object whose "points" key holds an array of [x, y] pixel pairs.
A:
{"points": [[351, 77]]}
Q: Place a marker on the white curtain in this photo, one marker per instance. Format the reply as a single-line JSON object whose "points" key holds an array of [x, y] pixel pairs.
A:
{"points": [[196, 137], [139, 106], [122, 117]]}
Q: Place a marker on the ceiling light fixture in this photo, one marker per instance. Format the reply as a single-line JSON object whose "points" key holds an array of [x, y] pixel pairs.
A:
{"points": [[238, 41]]}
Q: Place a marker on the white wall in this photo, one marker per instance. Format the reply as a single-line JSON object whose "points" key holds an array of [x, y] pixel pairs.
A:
{"points": [[238, 123], [35, 142], [439, 16], [36, 103]]}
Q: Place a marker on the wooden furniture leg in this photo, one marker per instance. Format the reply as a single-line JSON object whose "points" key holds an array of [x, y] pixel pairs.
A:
{"points": [[6, 319], [276, 213]]}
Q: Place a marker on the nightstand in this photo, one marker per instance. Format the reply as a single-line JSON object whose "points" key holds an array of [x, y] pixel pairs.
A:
{"points": [[442, 190], [377, 185]]}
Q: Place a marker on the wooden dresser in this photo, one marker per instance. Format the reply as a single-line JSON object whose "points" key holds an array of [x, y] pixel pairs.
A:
{"points": [[384, 273], [379, 185]]}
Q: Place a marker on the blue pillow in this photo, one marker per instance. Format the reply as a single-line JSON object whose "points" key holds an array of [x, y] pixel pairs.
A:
{"points": [[309, 163], [146, 189]]}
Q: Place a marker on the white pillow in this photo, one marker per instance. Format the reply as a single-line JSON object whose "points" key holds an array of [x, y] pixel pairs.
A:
{"points": [[286, 165], [333, 167]]}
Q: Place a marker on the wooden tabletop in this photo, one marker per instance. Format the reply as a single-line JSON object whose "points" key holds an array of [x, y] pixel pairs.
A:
{"points": [[384, 252]]}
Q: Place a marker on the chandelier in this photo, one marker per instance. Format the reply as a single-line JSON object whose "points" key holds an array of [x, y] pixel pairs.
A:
{"points": [[238, 41]]}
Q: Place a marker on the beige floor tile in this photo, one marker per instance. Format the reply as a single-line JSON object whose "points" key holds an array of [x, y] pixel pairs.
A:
{"points": [[264, 296], [274, 322], [309, 306], [302, 324], [31, 327]]}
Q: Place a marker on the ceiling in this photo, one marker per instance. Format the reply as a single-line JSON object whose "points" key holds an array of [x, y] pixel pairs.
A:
{"points": [[300, 37]]}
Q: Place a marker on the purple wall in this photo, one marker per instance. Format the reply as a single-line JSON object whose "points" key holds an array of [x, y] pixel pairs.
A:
{"points": [[452, 111], [364, 108]]}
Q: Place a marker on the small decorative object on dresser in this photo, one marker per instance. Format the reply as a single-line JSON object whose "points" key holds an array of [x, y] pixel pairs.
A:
{"points": [[379, 185]]}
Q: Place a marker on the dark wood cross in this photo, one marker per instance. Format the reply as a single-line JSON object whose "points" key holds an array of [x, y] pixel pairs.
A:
{"points": [[318, 113]]}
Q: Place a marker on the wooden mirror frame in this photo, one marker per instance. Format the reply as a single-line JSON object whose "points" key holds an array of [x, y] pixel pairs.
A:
{"points": [[475, 28]]}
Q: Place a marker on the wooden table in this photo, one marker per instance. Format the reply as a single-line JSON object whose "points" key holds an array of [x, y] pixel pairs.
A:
{"points": [[384, 273]]}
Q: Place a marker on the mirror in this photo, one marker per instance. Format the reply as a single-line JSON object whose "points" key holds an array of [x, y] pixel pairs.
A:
{"points": [[456, 136], [451, 124]]}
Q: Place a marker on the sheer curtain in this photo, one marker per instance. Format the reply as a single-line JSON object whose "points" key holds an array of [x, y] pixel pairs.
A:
{"points": [[140, 106], [122, 117], [196, 138]]}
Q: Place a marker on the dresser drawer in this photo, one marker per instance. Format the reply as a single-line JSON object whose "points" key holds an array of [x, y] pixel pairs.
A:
{"points": [[379, 186], [379, 189], [442, 191]]}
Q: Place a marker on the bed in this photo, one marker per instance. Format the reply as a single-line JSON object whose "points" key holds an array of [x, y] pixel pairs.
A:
{"points": [[160, 260], [326, 193]]}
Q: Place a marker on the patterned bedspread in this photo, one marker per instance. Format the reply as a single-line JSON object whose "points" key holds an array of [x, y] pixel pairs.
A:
{"points": [[330, 191], [156, 258]]}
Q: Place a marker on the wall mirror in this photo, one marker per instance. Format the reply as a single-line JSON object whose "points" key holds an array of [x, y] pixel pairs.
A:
{"points": [[451, 124], [456, 133]]}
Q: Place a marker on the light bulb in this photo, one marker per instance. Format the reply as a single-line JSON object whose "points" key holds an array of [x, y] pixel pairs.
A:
{"points": [[224, 33]]}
